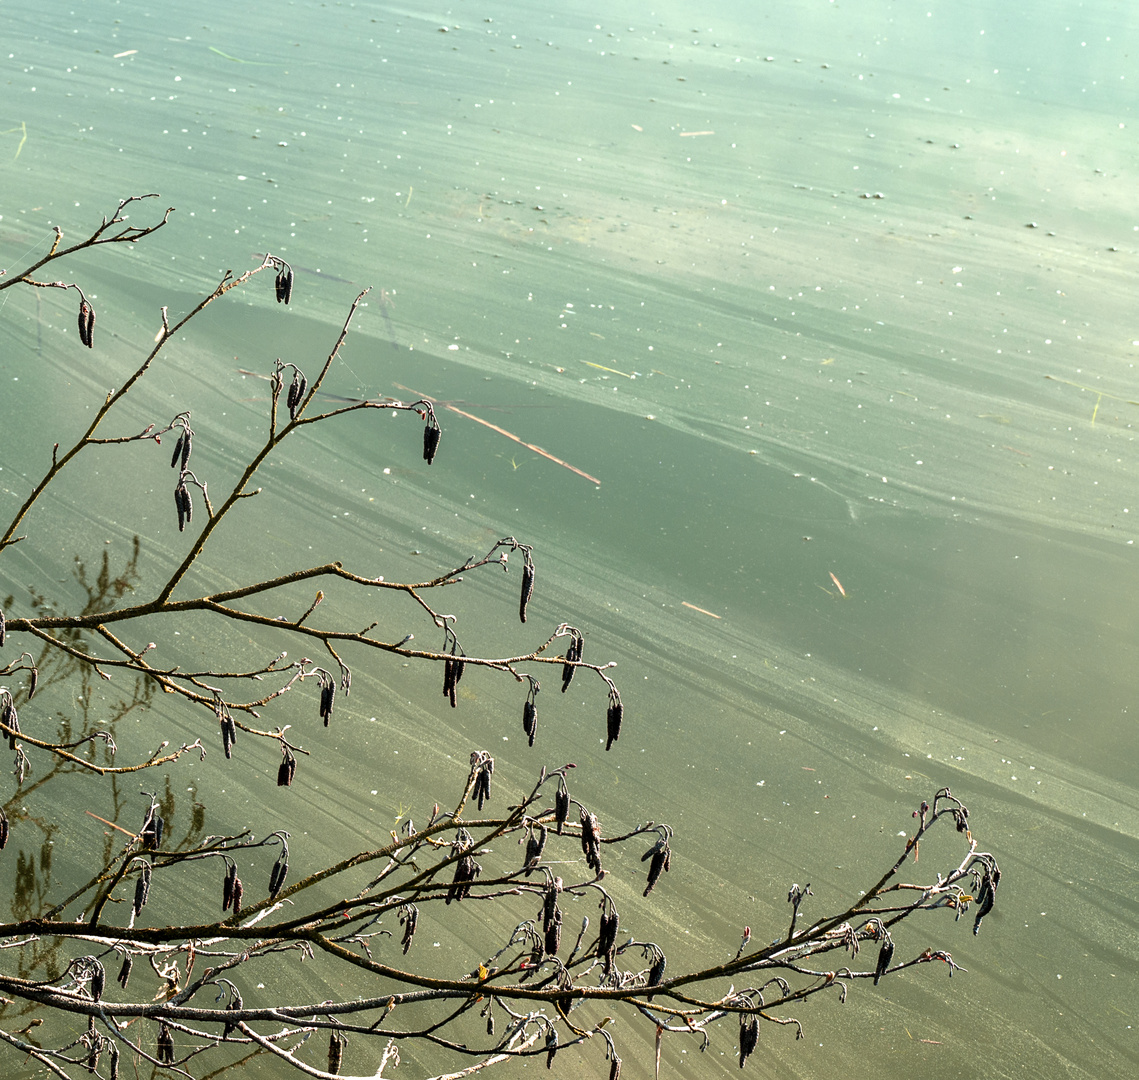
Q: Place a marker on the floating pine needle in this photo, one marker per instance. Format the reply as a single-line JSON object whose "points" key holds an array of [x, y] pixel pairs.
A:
{"points": [[703, 611], [838, 585], [23, 130], [602, 367], [1100, 394], [693, 134], [529, 446], [110, 823], [238, 60], [120, 55]]}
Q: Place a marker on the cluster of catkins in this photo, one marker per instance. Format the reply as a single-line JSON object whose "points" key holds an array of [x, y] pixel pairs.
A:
{"points": [[591, 840], [986, 895], [749, 1035], [231, 889], [180, 460], [327, 697], [288, 767], [296, 392], [481, 790], [278, 873], [228, 727], [573, 656], [552, 917], [453, 669], [8, 716], [661, 856], [336, 1043], [284, 283], [607, 935], [409, 920], [466, 869]]}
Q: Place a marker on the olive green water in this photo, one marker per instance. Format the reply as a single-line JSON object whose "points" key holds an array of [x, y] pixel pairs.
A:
{"points": [[789, 283]]}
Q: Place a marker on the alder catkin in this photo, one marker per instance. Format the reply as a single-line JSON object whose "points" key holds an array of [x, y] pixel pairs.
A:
{"points": [[335, 1052], [142, 889], [165, 1047], [613, 722], [527, 590], [227, 887], [561, 807], [98, 982], [885, 955], [431, 436], [749, 1036], [530, 719]]}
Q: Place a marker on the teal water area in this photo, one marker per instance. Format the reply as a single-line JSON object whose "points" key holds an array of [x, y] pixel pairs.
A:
{"points": [[811, 289]]}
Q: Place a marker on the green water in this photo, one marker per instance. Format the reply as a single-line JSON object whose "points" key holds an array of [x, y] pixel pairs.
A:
{"points": [[803, 382]]}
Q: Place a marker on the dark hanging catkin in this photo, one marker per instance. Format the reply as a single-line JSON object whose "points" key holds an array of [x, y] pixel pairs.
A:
{"points": [[613, 722], [749, 1036], [142, 889], [335, 1052], [165, 1047], [98, 982], [885, 955], [561, 807], [431, 435], [530, 720], [527, 589], [659, 863], [277, 875], [227, 887]]}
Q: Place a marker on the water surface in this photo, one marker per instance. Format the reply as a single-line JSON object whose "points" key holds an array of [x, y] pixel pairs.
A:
{"points": [[826, 289]]}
